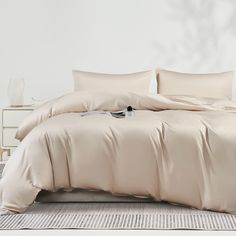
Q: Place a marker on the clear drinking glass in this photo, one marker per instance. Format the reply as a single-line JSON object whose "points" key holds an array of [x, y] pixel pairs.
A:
{"points": [[16, 91]]}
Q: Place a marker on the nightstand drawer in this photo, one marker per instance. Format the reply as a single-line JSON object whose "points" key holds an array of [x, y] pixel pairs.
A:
{"points": [[14, 118], [8, 137]]}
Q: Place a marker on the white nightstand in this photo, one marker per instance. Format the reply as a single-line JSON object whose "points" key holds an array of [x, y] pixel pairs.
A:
{"points": [[11, 119]]}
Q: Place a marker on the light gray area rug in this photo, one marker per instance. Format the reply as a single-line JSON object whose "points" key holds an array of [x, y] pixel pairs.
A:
{"points": [[1, 168], [116, 216]]}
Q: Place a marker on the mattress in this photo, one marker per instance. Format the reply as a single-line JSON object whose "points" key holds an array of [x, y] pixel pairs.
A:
{"points": [[86, 196]]}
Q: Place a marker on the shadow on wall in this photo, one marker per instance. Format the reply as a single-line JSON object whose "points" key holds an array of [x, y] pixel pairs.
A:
{"points": [[203, 35]]}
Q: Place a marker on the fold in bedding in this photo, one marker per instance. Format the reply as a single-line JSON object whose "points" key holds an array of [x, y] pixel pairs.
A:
{"points": [[178, 149]]}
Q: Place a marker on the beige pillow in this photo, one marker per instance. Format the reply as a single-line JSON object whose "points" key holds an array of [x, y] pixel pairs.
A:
{"points": [[217, 85], [139, 82]]}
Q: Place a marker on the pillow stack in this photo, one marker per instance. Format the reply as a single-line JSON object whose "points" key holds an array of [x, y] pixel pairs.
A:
{"points": [[217, 85], [136, 82], [199, 85]]}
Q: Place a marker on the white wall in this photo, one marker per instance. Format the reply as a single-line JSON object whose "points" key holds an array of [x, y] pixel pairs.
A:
{"points": [[43, 40]]}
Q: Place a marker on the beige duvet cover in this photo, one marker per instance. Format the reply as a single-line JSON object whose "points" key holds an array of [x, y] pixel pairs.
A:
{"points": [[178, 149]]}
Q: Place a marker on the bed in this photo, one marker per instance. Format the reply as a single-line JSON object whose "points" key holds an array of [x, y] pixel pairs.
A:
{"points": [[177, 148]]}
